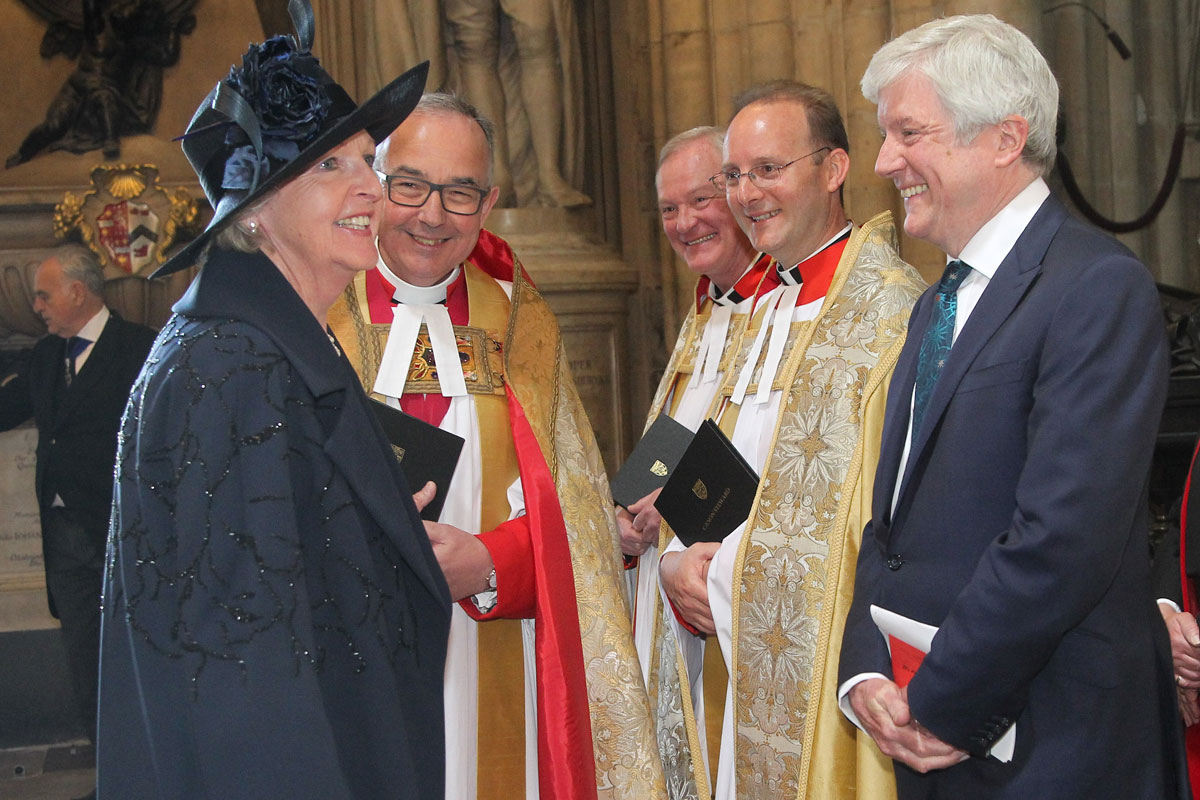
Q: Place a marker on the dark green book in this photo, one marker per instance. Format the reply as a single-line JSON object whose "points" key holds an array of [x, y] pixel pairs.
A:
{"points": [[651, 462]]}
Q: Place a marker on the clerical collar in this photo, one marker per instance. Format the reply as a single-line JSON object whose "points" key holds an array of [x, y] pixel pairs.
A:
{"points": [[742, 288], [415, 307], [794, 276], [408, 294], [746, 286]]}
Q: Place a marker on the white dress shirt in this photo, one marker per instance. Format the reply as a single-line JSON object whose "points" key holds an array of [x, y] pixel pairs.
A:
{"points": [[91, 331]]}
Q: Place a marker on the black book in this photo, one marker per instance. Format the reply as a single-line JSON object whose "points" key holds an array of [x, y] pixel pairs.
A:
{"points": [[425, 452], [711, 491], [651, 462]]}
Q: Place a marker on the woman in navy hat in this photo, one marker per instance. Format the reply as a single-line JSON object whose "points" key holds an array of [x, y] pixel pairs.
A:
{"points": [[274, 619]]}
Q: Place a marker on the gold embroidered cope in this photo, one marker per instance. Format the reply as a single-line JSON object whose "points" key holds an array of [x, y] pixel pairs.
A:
{"points": [[794, 571]]}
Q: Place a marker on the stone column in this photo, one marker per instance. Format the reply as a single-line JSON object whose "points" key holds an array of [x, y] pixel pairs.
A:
{"points": [[688, 96], [867, 27]]}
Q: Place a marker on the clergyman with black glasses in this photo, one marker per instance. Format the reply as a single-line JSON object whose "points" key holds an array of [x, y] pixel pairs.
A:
{"points": [[450, 329]]}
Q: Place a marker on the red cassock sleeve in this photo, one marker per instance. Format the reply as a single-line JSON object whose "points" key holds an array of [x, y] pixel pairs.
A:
{"points": [[511, 549], [686, 626]]}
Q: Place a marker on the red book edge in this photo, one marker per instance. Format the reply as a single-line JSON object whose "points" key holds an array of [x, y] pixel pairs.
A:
{"points": [[906, 659]]}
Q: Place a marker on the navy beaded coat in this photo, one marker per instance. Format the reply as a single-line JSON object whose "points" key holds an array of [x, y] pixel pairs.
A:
{"points": [[275, 622]]}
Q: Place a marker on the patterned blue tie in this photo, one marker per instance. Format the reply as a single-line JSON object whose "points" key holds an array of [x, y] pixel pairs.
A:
{"points": [[935, 345]]}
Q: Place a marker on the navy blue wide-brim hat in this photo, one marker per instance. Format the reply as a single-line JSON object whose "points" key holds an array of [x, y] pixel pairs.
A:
{"points": [[272, 118]]}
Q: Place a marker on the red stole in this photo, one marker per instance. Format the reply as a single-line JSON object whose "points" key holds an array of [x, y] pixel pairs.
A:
{"points": [[566, 760], [1192, 734]]}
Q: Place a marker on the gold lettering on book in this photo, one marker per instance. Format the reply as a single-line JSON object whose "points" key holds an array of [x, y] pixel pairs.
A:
{"points": [[708, 520]]}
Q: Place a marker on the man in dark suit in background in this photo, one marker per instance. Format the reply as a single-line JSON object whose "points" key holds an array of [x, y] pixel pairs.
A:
{"points": [[75, 384], [1009, 504]]}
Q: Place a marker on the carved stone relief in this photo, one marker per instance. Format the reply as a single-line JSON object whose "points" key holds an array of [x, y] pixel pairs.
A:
{"points": [[115, 90], [519, 62]]}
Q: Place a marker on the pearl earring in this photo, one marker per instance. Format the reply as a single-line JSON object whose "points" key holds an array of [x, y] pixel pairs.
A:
{"points": [[253, 226]]}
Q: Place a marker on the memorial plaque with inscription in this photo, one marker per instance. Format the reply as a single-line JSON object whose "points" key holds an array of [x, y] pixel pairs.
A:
{"points": [[590, 355], [20, 526]]}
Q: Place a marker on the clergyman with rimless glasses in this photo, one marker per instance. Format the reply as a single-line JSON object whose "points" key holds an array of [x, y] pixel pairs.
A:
{"points": [[450, 330], [804, 407]]}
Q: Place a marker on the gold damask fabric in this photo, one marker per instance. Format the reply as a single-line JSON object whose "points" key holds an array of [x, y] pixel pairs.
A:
{"points": [[674, 719], [627, 763], [794, 573], [535, 368]]}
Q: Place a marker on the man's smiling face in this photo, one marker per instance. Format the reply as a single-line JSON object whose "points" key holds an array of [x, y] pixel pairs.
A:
{"points": [[790, 218], [423, 244], [947, 186], [695, 216]]}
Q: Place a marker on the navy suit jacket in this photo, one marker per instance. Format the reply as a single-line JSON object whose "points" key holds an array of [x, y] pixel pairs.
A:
{"points": [[1020, 530], [77, 425]]}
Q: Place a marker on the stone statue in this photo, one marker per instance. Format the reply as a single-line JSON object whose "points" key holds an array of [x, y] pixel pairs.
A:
{"points": [[116, 88], [519, 62]]}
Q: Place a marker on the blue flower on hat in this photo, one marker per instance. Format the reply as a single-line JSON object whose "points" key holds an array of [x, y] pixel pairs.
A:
{"points": [[239, 167], [282, 87]]}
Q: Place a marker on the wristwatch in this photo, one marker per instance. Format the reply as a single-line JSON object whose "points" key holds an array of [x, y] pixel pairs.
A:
{"points": [[485, 601]]}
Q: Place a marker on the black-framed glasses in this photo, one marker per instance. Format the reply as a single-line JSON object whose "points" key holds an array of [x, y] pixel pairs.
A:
{"points": [[762, 175], [457, 198]]}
